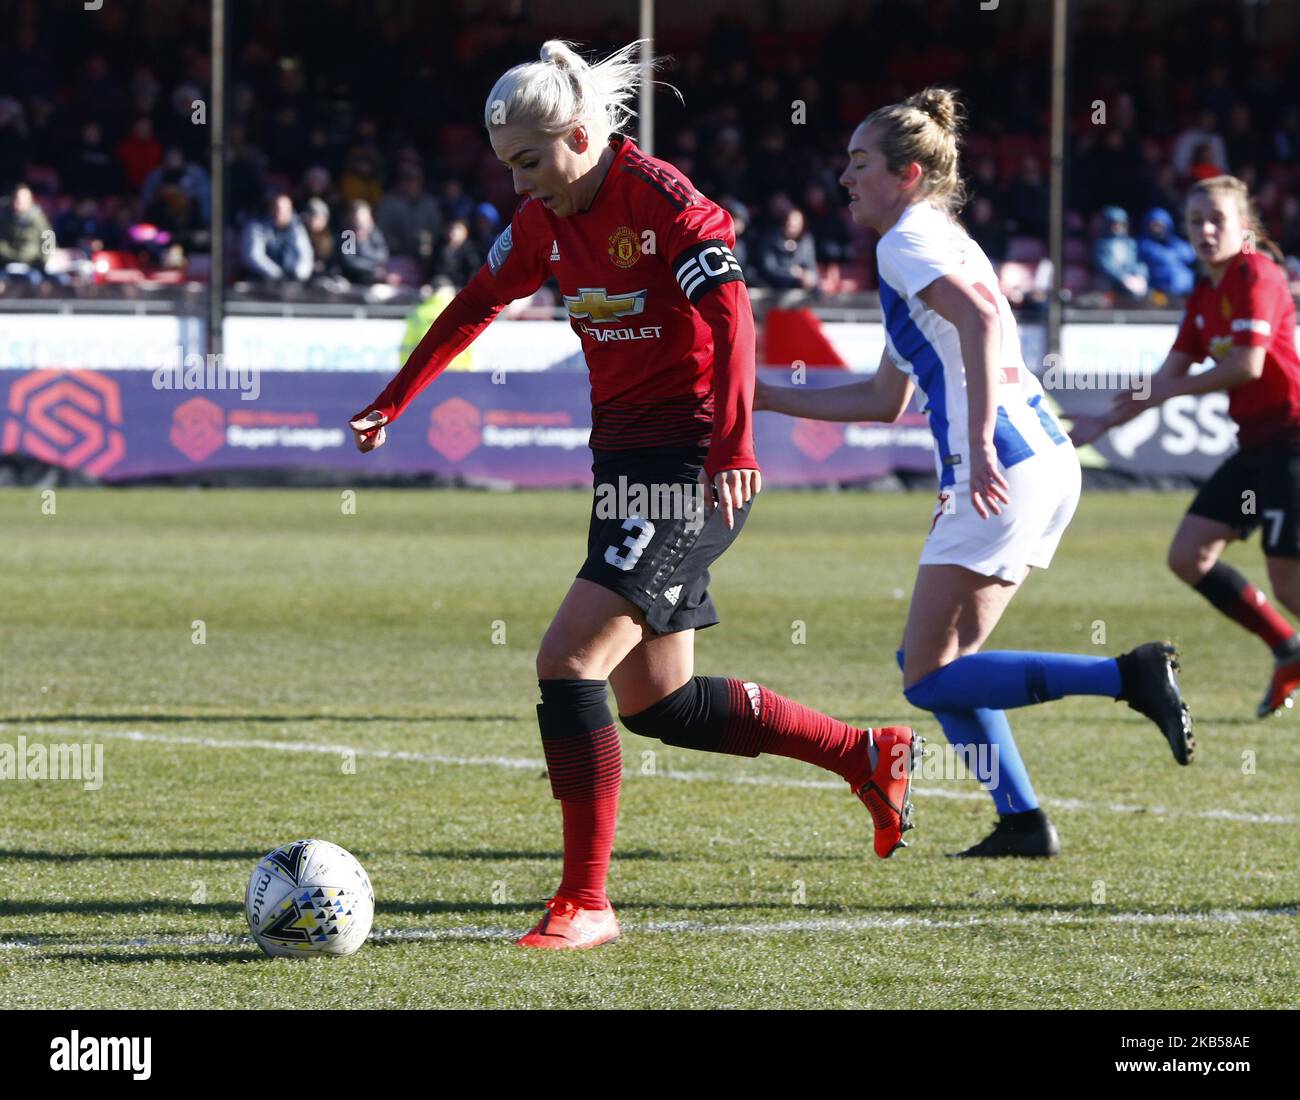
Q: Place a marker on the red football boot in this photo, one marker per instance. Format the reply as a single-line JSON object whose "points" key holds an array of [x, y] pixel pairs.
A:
{"points": [[886, 793], [568, 927], [1285, 683]]}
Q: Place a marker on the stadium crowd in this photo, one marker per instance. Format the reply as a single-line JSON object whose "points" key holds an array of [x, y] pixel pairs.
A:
{"points": [[366, 169]]}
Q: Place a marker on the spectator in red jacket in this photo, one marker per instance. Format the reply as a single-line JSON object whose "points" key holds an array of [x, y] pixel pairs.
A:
{"points": [[139, 153]]}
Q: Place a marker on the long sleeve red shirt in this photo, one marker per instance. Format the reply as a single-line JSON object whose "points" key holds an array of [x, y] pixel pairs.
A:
{"points": [[655, 296]]}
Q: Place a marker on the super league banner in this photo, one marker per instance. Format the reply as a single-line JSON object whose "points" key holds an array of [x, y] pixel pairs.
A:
{"points": [[527, 429]]}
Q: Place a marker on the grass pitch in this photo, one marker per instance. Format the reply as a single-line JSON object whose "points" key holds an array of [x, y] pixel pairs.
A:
{"points": [[369, 679]]}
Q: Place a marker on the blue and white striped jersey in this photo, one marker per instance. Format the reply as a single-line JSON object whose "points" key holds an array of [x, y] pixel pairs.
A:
{"points": [[923, 245]]}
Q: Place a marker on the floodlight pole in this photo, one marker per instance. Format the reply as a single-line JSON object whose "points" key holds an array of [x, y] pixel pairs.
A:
{"points": [[216, 123], [1056, 213], [646, 102]]}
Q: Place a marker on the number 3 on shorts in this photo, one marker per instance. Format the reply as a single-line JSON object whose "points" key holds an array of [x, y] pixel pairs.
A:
{"points": [[627, 555]]}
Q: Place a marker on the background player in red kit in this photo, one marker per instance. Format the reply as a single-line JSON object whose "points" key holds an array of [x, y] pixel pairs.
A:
{"points": [[1240, 315], [659, 302]]}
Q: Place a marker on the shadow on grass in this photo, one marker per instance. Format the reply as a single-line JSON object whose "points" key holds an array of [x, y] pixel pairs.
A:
{"points": [[386, 908], [550, 854], [95, 907], [1240, 720], [37, 856], [939, 911], [280, 718], [179, 955]]}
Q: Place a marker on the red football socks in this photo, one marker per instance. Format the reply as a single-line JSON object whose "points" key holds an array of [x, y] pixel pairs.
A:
{"points": [[586, 773], [1243, 603], [584, 759], [760, 720]]}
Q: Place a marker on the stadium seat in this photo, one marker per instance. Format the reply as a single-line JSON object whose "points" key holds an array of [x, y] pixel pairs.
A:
{"points": [[63, 261], [828, 278], [43, 180], [459, 148], [116, 267], [1077, 279], [170, 276], [1011, 152], [1026, 250], [406, 269]]}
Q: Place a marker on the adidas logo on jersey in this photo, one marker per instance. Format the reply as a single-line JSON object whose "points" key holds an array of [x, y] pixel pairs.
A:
{"points": [[755, 697], [555, 251], [672, 595]]}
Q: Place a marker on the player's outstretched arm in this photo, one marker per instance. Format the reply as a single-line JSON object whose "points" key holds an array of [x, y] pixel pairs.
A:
{"points": [[452, 331], [1241, 365], [882, 397], [1169, 381]]}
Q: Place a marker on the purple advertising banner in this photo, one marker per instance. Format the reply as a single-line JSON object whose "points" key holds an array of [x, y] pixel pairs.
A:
{"points": [[529, 430]]}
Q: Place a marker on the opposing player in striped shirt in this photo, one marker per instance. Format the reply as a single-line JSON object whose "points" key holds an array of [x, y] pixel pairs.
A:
{"points": [[1008, 476]]}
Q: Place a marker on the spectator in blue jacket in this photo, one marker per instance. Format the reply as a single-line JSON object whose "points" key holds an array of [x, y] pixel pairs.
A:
{"points": [[1115, 255], [188, 176], [276, 248], [1170, 260]]}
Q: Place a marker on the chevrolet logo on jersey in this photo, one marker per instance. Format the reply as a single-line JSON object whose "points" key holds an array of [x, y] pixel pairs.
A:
{"points": [[591, 303]]}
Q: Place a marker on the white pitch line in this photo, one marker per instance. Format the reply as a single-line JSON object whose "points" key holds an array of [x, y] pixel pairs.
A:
{"points": [[857, 924], [526, 764], [692, 927]]}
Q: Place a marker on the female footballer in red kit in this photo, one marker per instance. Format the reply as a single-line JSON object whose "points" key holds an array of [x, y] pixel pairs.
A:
{"points": [[1241, 316], [659, 303]]}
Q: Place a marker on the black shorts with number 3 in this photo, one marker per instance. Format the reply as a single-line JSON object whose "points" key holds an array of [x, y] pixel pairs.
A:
{"points": [[660, 561], [1258, 487]]}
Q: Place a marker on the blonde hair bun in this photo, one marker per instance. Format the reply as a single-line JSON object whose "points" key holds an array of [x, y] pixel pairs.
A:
{"points": [[941, 105], [561, 91]]}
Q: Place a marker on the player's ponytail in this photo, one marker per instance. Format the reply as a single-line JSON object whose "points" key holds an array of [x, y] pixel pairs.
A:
{"points": [[562, 91], [1258, 240], [924, 129]]}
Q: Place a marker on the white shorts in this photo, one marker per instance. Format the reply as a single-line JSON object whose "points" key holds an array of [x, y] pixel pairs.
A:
{"points": [[1044, 492]]}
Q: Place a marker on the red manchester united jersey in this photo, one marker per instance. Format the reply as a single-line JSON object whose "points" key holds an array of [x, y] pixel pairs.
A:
{"points": [[653, 292], [1251, 307]]}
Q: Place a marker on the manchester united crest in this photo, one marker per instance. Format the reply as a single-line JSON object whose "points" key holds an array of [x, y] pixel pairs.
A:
{"points": [[624, 247]]}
